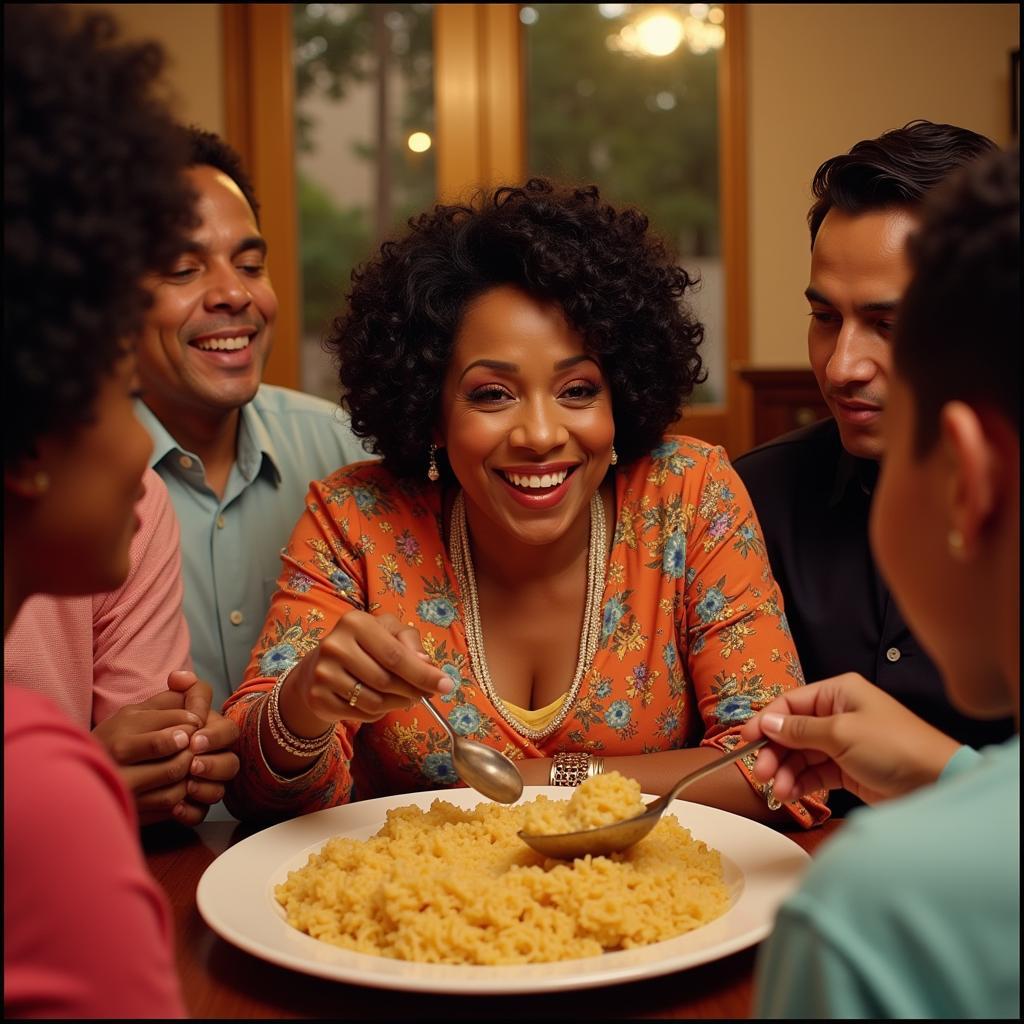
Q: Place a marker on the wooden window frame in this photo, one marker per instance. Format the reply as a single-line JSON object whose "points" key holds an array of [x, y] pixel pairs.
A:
{"points": [[480, 141]]}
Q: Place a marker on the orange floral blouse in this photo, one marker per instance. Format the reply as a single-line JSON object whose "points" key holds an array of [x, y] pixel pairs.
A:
{"points": [[693, 641]]}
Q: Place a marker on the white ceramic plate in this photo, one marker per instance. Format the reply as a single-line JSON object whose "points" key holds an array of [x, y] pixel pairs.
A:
{"points": [[236, 899]]}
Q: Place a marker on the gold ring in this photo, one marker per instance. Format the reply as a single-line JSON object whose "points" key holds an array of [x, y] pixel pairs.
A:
{"points": [[355, 695]]}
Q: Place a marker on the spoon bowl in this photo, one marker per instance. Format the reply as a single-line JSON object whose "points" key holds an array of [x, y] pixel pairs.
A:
{"points": [[620, 835], [485, 769]]}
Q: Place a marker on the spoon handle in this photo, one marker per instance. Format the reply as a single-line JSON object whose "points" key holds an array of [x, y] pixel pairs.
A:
{"points": [[711, 766], [430, 707]]}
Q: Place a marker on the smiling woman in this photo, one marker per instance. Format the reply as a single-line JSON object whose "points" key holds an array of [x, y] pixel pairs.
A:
{"points": [[564, 582]]}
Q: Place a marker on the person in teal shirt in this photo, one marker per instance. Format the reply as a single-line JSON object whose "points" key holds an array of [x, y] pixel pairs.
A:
{"points": [[237, 455], [913, 910]]}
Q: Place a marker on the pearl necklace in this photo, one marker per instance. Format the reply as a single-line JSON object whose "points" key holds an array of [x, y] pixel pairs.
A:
{"points": [[590, 634]]}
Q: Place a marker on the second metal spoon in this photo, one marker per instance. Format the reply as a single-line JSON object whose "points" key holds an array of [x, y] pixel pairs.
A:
{"points": [[487, 770], [620, 835]]}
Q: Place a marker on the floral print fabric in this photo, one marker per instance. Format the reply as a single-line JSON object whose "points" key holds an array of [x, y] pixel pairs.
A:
{"points": [[693, 635]]}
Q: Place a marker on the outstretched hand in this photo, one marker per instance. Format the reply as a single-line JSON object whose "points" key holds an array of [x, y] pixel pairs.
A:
{"points": [[846, 733]]}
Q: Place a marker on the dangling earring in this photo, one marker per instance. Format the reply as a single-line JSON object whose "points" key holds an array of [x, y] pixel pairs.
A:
{"points": [[433, 473], [955, 540], [615, 456]]}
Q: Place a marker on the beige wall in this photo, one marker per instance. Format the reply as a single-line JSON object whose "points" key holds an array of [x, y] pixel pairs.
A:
{"points": [[821, 77], [191, 35]]}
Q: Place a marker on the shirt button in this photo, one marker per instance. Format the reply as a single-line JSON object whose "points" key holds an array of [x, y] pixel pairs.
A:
{"points": [[236, 618], [185, 462], [220, 522], [893, 654]]}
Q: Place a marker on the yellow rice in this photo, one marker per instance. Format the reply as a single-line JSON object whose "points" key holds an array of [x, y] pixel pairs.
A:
{"points": [[457, 886]]}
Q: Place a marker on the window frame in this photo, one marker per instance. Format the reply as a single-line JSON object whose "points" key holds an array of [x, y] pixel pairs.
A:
{"points": [[478, 52]]}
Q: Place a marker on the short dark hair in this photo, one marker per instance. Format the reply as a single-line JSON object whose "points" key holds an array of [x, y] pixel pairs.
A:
{"points": [[899, 168], [94, 198], [958, 334], [617, 285], [207, 149]]}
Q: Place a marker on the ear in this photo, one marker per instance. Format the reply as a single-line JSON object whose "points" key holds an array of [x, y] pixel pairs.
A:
{"points": [[975, 473], [26, 479]]}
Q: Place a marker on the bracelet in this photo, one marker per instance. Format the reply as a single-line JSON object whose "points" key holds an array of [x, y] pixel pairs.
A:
{"points": [[297, 746], [277, 776], [569, 769], [595, 767]]}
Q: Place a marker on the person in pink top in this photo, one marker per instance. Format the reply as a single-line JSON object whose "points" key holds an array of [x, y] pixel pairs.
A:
{"points": [[93, 654], [93, 200], [118, 663]]}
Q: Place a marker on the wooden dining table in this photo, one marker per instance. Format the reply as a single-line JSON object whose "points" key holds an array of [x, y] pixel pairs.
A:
{"points": [[220, 980]]}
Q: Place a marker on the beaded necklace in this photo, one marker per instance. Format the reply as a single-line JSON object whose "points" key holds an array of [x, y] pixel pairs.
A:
{"points": [[590, 634]]}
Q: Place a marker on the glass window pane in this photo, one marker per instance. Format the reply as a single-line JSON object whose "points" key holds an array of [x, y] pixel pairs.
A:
{"points": [[364, 112], [625, 96]]}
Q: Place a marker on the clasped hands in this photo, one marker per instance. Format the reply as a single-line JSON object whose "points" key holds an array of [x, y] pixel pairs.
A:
{"points": [[172, 751]]}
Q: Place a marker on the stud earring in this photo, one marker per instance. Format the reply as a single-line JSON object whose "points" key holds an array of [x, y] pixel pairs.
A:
{"points": [[433, 473], [955, 540], [615, 456]]}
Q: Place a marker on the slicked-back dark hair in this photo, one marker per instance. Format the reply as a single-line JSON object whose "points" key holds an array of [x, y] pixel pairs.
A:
{"points": [[958, 334], [207, 149], [617, 284], [94, 198], [899, 168]]}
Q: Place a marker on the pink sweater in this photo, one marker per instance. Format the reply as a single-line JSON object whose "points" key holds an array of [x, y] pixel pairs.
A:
{"points": [[87, 932], [92, 655]]}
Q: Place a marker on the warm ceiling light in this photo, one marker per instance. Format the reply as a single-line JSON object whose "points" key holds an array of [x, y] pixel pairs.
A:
{"points": [[658, 34], [419, 142]]}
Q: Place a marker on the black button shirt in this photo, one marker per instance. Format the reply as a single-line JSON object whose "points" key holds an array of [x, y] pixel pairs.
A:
{"points": [[812, 499]]}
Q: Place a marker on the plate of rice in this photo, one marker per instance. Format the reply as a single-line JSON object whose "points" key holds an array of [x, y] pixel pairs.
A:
{"points": [[435, 892]]}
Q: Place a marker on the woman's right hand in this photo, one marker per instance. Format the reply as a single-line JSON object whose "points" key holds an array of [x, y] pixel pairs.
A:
{"points": [[376, 653], [846, 733]]}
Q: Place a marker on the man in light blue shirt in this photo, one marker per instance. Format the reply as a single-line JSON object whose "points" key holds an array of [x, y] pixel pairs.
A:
{"points": [[237, 455]]}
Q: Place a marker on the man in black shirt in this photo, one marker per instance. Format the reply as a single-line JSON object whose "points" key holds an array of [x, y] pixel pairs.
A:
{"points": [[812, 488]]}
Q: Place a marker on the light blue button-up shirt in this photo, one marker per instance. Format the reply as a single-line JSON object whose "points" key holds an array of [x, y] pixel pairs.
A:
{"points": [[230, 546]]}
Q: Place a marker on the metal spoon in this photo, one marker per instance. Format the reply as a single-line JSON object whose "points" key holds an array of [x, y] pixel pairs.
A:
{"points": [[622, 834], [487, 770]]}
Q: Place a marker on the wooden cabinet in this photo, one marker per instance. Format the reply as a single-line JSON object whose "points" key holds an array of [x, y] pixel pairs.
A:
{"points": [[782, 400]]}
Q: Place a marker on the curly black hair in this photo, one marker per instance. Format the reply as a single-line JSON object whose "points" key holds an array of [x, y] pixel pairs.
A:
{"points": [[617, 284], [94, 197], [958, 333], [210, 150], [897, 169]]}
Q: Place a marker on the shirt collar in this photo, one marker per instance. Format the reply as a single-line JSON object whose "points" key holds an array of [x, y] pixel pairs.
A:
{"points": [[861, 474], [255, 444], [163, 443]]}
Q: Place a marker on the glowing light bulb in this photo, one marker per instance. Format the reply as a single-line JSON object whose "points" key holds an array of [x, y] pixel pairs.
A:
{"points": [[658, 34], [419, 142]]}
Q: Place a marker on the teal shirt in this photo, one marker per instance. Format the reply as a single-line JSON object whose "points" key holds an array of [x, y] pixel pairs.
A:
{"points": [[913, 910], [230, 547]]}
